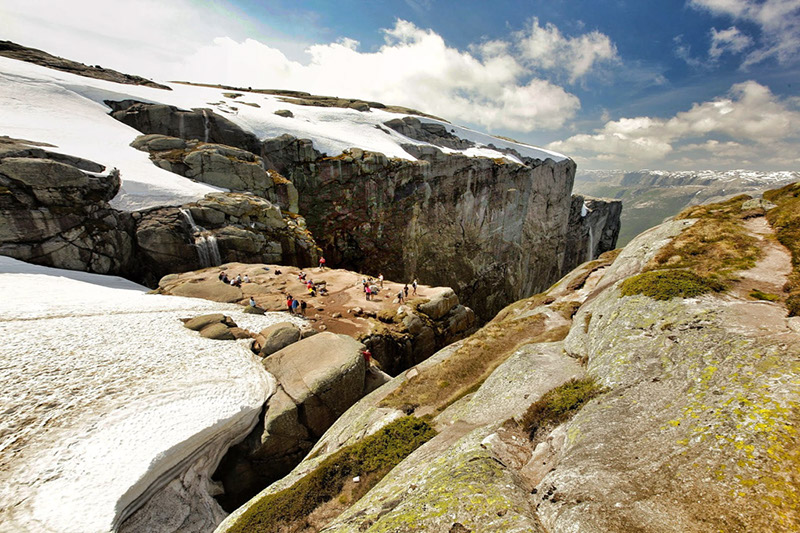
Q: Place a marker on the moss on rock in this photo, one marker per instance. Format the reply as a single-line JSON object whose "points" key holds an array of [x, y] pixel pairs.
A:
{"points": [[667, 284], [374, 456]]}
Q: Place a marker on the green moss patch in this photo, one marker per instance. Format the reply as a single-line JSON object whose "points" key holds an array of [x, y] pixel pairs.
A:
{"points": [[371, 458], [760, 295], [667, 284], [559, 405]]}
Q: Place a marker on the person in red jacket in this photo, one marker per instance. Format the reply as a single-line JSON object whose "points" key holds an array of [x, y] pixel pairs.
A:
{"points": [[289, 301]]}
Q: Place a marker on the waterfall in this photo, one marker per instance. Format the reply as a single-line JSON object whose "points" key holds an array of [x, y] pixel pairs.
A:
{"points": [[205, 126], [181, 127], [204, 242], [590, 247]]}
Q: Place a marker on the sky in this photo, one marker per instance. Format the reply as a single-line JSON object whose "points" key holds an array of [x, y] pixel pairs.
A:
{"points": [[614, 84]]}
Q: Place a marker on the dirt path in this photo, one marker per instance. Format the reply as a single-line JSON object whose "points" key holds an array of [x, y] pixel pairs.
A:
{"points": [[755, 317], [771, 272]]}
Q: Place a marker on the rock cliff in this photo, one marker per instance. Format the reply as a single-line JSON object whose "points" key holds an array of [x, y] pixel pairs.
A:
{"points": [[54, 211], [492, 229], [653, 390]]}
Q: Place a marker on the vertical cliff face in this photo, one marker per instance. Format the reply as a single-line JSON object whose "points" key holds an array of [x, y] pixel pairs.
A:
{"points": [[494, 231], [593, 229]]}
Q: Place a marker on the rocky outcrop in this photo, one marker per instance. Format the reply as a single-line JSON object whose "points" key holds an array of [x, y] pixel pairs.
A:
{"points": [[690, 425], [418, 330], [429, 132], [241, 226], [200, 124], [219, 165], [54, 211], [39, 57], [319, 378], [493, 231]]}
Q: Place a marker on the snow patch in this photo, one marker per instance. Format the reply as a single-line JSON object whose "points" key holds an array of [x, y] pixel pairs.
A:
{"points": [[104, 392]]}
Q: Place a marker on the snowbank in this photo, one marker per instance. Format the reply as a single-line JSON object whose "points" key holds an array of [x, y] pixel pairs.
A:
{"points": [[67, 111], [104, 392]]}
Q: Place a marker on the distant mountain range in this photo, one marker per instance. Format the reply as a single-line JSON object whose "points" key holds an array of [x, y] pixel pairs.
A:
{"points": [[650, 196]]}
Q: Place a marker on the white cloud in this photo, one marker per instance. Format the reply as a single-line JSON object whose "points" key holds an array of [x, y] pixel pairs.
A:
{"points": [[544, 47], [498, 84], [778, 20], [730, 40], [730, 130], [415, 68]]}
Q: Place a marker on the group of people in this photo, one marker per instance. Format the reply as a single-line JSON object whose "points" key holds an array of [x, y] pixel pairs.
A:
{"points": [[236, 282], [370, 289], [293, 305]]}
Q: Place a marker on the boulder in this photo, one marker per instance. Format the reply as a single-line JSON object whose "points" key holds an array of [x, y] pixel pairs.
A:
{"points": [[213, 290], [278, 336], [199, 322], [439, 304], [319, 377], [54, 212], [218, 331], [323, 373]]}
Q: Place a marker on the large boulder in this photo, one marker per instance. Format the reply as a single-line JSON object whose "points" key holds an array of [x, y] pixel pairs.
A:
{"points": [[439, 303], [276, 337], [323, 373], [54, 211], [319, 378]]}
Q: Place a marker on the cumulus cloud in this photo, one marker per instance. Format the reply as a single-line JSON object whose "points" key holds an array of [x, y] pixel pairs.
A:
{"points": [[414, 67], [544, 47], [511, 83], [729, 130], [778, 20]]}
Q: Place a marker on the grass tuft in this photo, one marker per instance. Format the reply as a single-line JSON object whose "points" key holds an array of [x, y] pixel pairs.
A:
{"points": [[371, 458], [760, 295], [667, 284], [559, 405]]}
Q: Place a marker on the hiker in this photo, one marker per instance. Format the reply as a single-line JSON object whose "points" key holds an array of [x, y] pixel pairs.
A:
{"points": [[367, 355], [224, 278], [252, 302], [295, 305], [380, 279], [221, 275], [246, 278], [400, 297], [311, 291], [289, 302], [414, 284], [239, 279], [367, 291], [405, 289], [278, 272], [321, 263], [301, 276], [303, 307]]}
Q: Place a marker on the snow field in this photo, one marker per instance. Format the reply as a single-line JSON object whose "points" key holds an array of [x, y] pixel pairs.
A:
{"points": [[103, 390]]}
